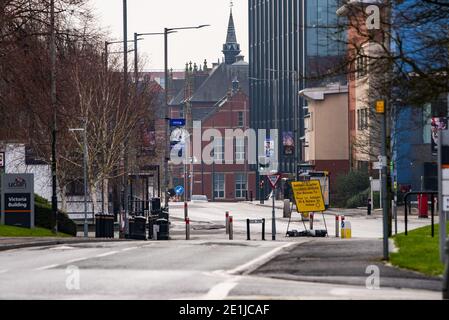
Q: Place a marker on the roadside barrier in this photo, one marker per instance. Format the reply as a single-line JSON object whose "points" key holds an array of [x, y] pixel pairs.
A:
{"points": [[254, 221]]}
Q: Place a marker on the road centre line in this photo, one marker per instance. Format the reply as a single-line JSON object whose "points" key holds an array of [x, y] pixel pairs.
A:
{"points": [[257, 262], [221, 290], [51, 266], [77, 260], [129, 249], [110, 253]]}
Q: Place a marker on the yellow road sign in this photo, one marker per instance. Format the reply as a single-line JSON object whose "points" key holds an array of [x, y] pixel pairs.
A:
{"points": [[380, 106], [308, 196]]}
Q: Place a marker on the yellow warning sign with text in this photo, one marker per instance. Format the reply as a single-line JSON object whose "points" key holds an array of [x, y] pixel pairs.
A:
{"points": [[308, 196]]}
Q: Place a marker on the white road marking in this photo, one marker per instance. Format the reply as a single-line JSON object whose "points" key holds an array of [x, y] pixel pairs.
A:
{"points": [[257, 262], [77, 260], [221, 290], [47, 267], [129, 249], [110, 253], [3, 271], [62, 248]]}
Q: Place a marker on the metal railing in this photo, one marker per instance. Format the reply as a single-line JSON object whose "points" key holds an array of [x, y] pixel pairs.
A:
{"points": [[407, 205]]}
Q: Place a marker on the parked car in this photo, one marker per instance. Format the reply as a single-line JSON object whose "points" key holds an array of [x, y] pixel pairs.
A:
{"points": [[199, 198]]}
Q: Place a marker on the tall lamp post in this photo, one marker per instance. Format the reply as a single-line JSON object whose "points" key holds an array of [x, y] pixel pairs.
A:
{"points": [[167, 31], [54, 197], [136, 56], [84, 130]]}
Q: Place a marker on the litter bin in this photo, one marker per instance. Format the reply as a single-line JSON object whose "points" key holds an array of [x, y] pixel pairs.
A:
{"points": [[108, 226], [423, 206], [155, 205], [163, 229], [131, 224], [99, 226], [139, 229]]}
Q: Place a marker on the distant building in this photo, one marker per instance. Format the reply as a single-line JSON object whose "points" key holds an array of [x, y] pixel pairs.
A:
{"points": [[218, 97], [326, 130], [292, 44]]}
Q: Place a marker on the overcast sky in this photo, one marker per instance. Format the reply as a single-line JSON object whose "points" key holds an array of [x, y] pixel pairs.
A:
{"points": [[153, 16]]}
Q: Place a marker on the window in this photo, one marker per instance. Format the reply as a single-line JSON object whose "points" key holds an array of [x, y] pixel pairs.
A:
{"points": [[427, 126], [362, 119], [240, 185], [75, 188], [240, 150], [240, 121], [362, 66], [219, 185], [218, 149]]}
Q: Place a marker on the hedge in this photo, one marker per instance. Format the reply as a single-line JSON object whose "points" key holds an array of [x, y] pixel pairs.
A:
{"points": [[44, 218]]}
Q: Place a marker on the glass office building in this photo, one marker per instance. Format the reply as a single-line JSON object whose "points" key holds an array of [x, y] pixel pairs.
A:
{"points": [[289, 39]]}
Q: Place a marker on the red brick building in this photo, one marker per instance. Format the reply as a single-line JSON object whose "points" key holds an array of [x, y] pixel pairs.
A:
{"points": [[216, 97]]}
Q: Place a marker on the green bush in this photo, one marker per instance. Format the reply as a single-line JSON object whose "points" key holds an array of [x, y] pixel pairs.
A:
{"points": [[351, 189], [44, 217]]}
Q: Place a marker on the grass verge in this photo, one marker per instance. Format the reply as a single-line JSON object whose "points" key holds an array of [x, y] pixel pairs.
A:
{"points": [[419, 251], [8, 231]]}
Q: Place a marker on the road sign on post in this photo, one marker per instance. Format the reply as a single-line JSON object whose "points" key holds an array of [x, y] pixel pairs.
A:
{"points": [[274, 179], [17, 205], [179, 190], [308, 196]]}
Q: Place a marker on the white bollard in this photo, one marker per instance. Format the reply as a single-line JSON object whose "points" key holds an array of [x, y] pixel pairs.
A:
{"points": [[337, 226], [227, 222], [231, 231]]}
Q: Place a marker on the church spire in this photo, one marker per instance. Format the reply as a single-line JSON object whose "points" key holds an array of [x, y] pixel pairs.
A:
{"points": [[231, 48]]}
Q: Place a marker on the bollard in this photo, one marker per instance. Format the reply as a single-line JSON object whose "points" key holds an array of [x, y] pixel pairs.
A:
{"points": [[187, 228], [231, 231], [337, 227], [369, 207], [311, 221], [251, 196], [248, 231], [227, 222], [263, 229]]}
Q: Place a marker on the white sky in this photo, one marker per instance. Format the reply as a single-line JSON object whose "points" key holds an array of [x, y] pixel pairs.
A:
{"points": [[152, 16]]}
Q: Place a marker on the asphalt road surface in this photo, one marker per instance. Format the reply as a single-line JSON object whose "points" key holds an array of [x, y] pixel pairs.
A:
{"points": [[208, 267]]}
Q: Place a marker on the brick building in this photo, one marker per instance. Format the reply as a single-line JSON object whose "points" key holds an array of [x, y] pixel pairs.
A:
{"points": [[218, 98]]}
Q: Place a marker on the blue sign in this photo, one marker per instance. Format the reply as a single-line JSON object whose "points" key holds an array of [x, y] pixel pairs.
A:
{"points": [[177, 122], [179, 190]]}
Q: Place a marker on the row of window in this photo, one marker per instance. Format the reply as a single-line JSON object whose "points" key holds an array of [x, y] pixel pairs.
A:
{"points": [[240, 117], [362, 119], [220, 185], [218, 150]]}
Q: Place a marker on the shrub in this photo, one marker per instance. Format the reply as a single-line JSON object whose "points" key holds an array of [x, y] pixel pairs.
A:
{"points": [[352, 185], [44, 218]]}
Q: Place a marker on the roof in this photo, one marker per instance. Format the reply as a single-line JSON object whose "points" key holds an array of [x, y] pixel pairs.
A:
{"points": [[319, 93], [216, 86]]}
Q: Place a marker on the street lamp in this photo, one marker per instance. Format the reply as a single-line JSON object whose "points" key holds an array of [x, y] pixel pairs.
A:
{"points": [[136, 38], [167, 31], [84, 130], [106, 51]]}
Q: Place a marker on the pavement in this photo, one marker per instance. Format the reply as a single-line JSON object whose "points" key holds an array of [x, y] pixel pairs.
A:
{"points": [[27, 242], [345, 262]]}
